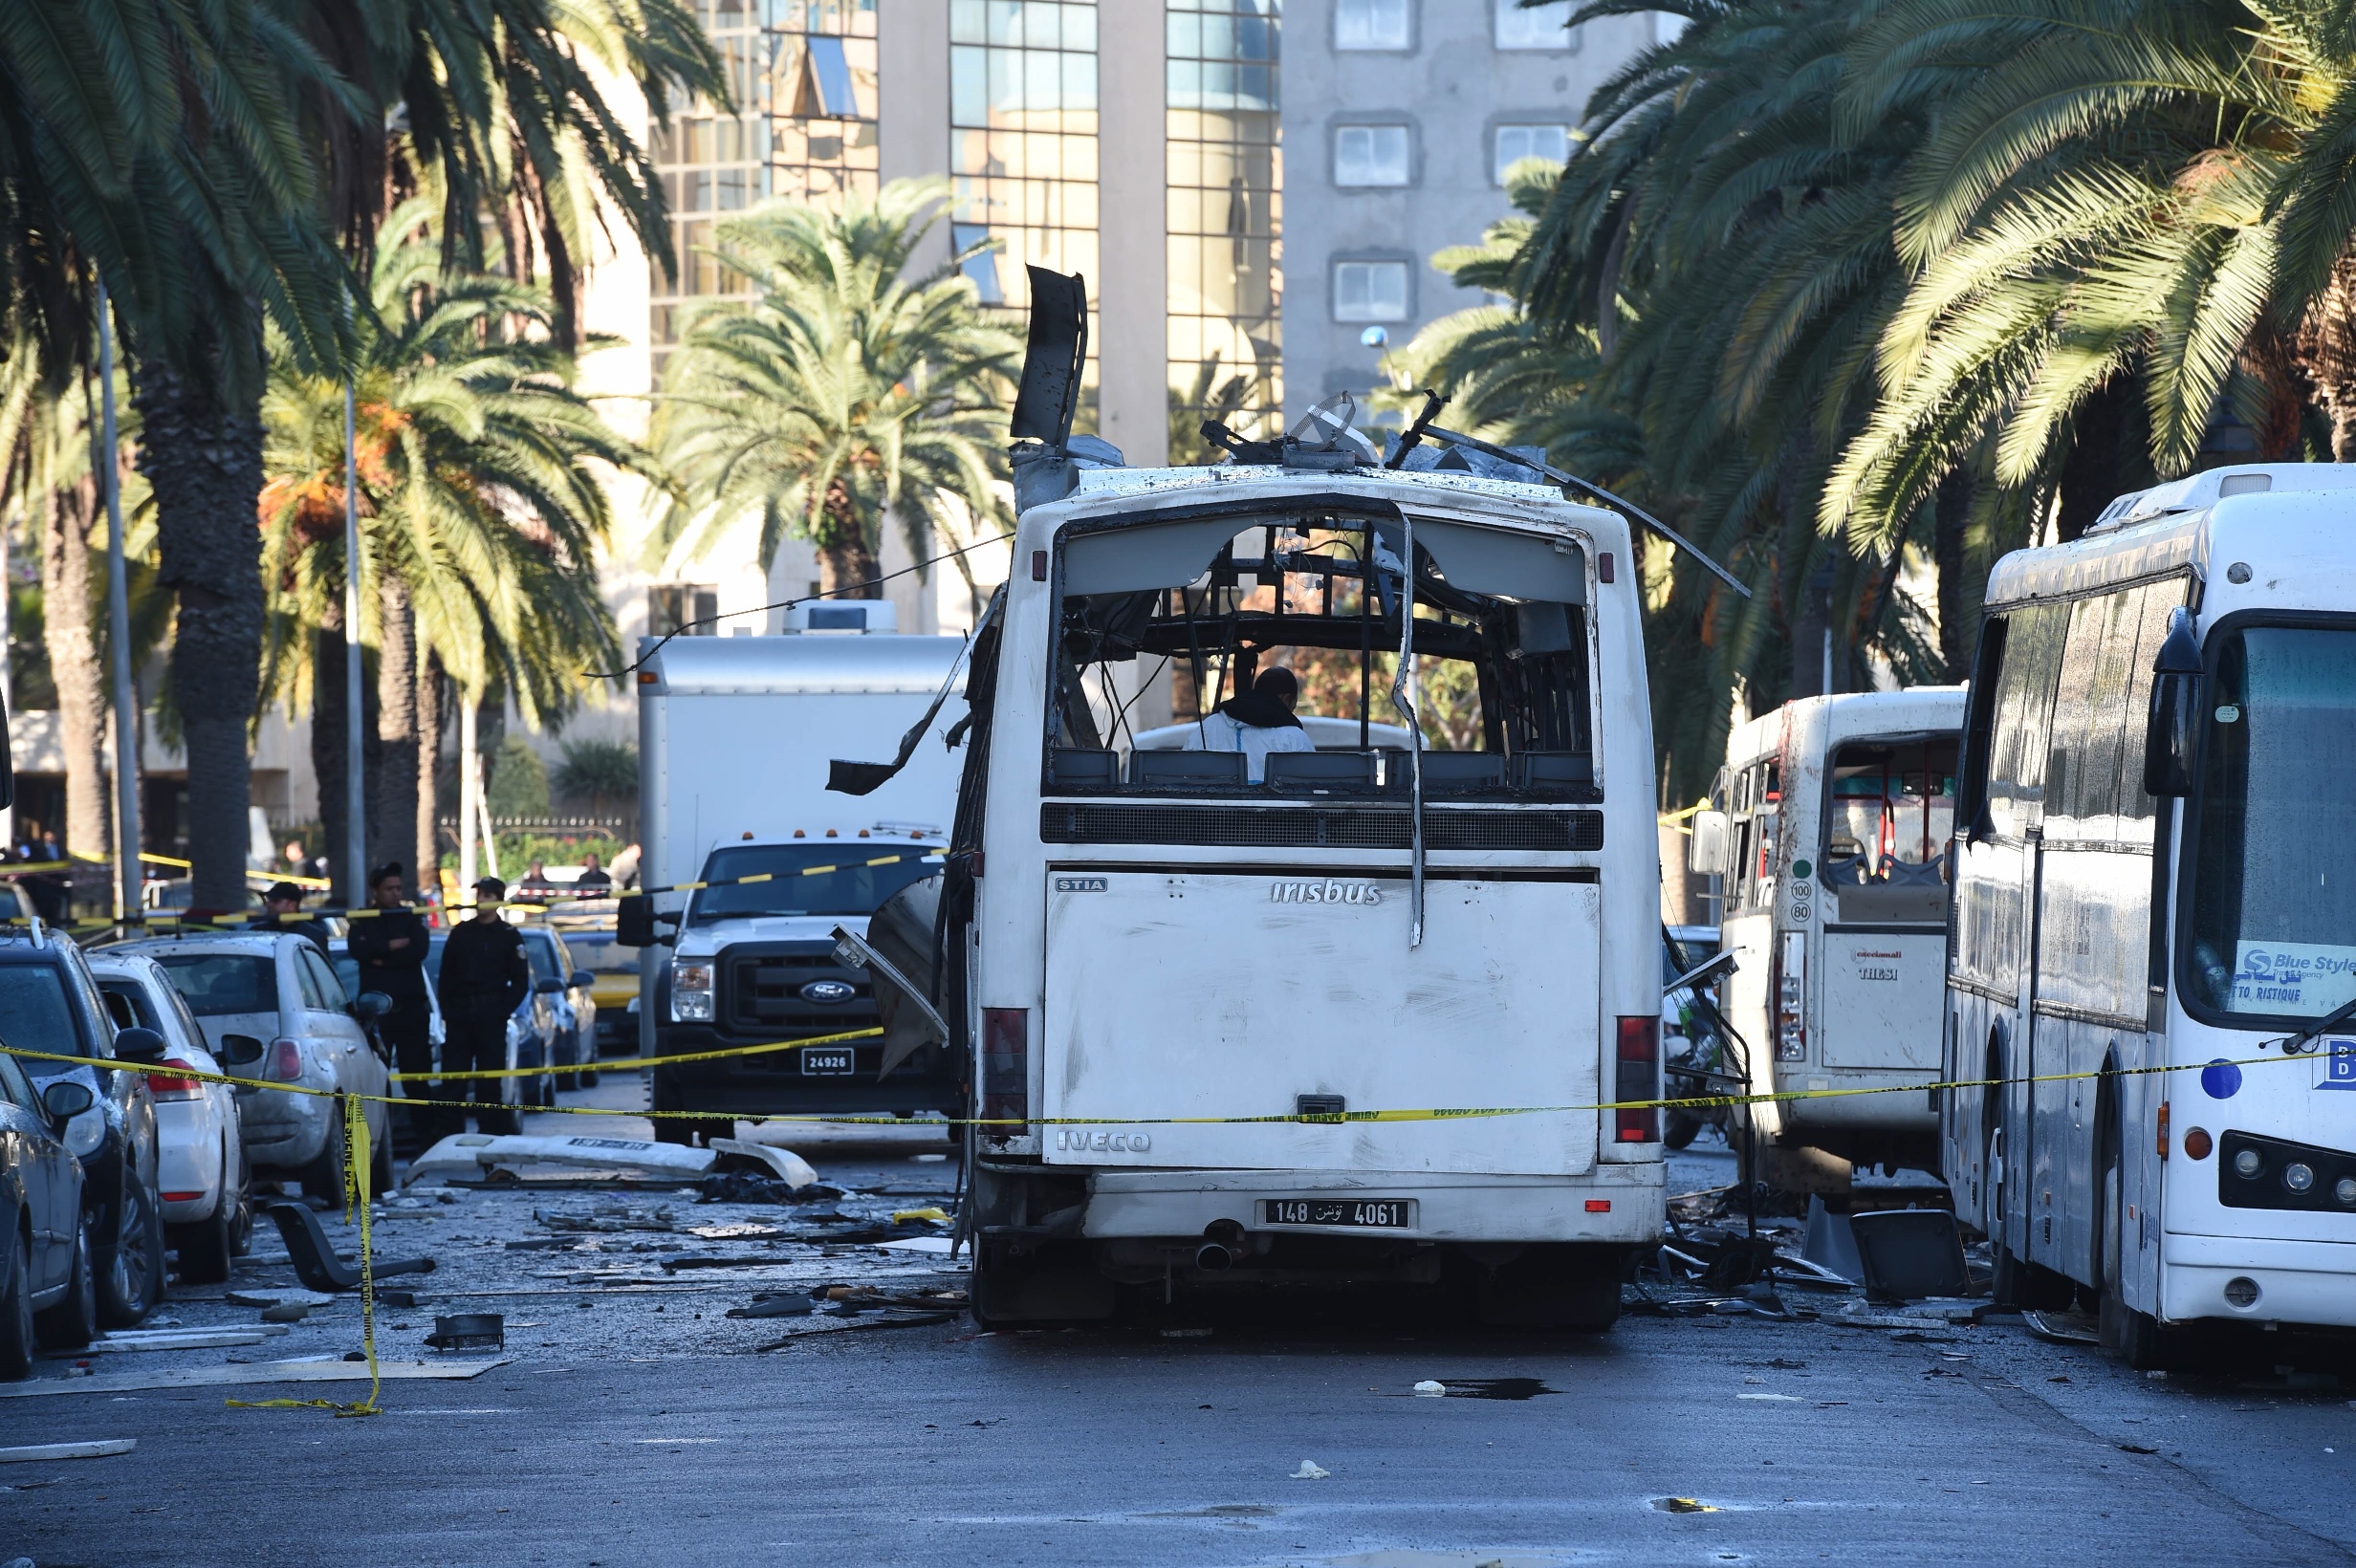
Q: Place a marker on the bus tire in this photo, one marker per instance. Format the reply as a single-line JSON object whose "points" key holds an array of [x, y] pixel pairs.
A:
{"points": [[2136, 1336], [1049, 1284], [1678, 1129]]}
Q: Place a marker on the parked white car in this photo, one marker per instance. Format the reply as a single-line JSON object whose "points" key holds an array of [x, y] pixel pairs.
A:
{"points": [[278, 988], [201, 1162]]}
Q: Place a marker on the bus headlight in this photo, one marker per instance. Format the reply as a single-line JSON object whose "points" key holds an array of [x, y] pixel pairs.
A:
{"points": [[2298, 1176], [2344, 1189], [2248, 1164], [692, 992]]}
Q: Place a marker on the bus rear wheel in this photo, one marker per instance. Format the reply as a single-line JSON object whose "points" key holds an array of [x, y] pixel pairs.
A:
{"points": [[2135, 1335]]}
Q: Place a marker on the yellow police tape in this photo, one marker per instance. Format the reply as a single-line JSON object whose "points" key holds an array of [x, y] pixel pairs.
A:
{"points": [[357, 1162], [625, 1065]]}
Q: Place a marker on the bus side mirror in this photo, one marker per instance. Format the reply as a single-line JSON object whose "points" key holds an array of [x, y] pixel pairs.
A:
{"points": [[1706, 856], [2175, 724]]}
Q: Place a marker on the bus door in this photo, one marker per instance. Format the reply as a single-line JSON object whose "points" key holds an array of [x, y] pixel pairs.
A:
{"points": [[1888, 818]]}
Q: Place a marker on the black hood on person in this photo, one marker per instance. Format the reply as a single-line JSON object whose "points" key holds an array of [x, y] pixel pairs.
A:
{"points": [[1268, 705]]}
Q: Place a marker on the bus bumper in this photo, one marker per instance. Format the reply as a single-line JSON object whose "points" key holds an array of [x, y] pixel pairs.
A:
{"points": [[1611, 1203], [2303, 1282]]}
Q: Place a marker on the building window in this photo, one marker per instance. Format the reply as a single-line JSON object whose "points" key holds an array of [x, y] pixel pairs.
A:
{"points": [[1534, 27], [676, 606], [1370, 155], [1370, 24], [1515, 142], [1371, 291], [804, 75], [1224, 189], [1023, 147]]}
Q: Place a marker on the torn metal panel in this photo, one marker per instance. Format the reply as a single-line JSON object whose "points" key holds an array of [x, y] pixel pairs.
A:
{"points": [[471, 1152]]}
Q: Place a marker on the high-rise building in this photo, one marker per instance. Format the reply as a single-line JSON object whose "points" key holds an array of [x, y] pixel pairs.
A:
{"points": [[1400, 119]]}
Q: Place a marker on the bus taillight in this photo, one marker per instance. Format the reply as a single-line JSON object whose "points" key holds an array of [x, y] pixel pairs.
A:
{"points": [[1791, 998], [1006, 1071], [1640, 1080]]}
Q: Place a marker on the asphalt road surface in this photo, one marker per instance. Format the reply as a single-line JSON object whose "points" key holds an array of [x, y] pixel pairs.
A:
{"points": [[637, 1431]]}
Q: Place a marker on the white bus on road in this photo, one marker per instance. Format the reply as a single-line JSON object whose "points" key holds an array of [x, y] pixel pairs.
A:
{"points": [[1162, 949], [2156, 909], [1828, 833]]}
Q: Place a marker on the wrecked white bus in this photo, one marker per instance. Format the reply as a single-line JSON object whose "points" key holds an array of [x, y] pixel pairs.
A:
{"points": [[1184, 987], [1827, 832]]}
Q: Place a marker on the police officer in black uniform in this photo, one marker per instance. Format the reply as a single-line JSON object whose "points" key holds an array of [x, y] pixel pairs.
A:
{"points": [[282, 910], [391, 945], [485, 977]]}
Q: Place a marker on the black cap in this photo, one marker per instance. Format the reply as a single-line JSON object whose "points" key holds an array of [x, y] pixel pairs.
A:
{"points": [[492, 885], [284, 890], [390, 868]]}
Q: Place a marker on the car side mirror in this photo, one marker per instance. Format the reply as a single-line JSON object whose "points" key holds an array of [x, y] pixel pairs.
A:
{"points": [[549, 986], [2173, 730], [140, 1045], [1707, 854], [582, 980], [241, 1050], [371, 1005], [65, 1099]]}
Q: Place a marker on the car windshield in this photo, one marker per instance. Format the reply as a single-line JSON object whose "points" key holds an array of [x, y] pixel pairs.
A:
{"points": [[2274, 880], [35, 1015], [218, 984], [842, 878]]}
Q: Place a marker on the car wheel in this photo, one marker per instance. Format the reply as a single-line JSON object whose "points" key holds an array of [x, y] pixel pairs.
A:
{"points": [[73, 1322], [130, 1277], [206, 1247], [241, 1218], [16, 1313], [323, 1177]]}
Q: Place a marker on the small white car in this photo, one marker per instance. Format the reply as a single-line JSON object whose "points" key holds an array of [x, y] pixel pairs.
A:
{"points": [[200, 1138], [278, 989]]}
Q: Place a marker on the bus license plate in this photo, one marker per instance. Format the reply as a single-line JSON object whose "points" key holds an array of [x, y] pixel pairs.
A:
{"points": [[835, 1060], [1364, 1213]]}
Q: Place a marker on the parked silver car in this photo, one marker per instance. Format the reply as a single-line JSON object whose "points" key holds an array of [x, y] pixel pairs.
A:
{"points": [[278, 988]]}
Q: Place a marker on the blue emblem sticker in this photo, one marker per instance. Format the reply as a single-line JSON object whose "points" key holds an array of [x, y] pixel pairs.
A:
{"points": [[2339, 1066], [2221, 1079]]}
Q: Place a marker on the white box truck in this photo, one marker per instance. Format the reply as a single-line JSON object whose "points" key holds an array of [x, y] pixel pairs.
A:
{"points": [[736, 739]]}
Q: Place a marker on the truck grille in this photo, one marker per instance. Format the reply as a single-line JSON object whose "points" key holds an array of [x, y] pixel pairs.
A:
{"points": [[1305, 827], [761, 993]]}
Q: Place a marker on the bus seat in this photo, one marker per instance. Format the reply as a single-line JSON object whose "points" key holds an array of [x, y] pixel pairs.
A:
{"points": [[1077, 768], [1322, 773], [1548, 773], [1455, 773], [1188, 770]]}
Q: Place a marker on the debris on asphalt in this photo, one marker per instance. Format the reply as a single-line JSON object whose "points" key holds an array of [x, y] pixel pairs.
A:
{"points": [[1682, 1505], [485, 1153], [792, 1305], [928, 1216], [1309, 1471], [1908, 1253], [177, 1339], [98, 1449], [316, 1263], [1430, 1388], [286, 1312], [2065, 1328], [469, 1331], [607, 1219]]}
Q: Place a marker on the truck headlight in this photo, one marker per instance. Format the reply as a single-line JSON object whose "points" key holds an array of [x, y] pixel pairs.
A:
{"points": [[692, 992]]}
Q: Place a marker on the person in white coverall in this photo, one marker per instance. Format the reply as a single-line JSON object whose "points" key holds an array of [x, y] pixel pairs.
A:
{"points": [[1256, 724]]}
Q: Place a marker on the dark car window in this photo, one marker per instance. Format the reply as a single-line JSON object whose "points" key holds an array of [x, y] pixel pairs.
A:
{"points": [[120, 1004], [218, 984], [333, 995], [541, 947], [13, 1085], [35, 1015]]}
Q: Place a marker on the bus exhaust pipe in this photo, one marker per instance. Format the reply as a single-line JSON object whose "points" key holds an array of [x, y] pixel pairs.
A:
{"points": [[1213, 1258]]}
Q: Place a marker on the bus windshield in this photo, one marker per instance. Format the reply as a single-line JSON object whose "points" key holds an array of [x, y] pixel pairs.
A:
{"points": [[2274, 876], [841, 877], [1892, 807]]}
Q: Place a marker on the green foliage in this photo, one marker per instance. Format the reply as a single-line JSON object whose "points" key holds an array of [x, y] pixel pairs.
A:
{"points": [[599, 770], [518, 781], [480, 470], [843, 392]]}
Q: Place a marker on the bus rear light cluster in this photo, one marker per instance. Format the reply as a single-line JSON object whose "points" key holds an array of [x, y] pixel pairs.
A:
{"points": [[1639, 1080], [1791, 991], [1006, 1071]]}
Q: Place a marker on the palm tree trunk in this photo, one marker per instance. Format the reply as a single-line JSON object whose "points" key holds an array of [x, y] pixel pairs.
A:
{"points": [[2326, 350], [74, 662], [1959, 605], [392, 830], [202, 453], [429, 765], [845, 559], [330, 718]]}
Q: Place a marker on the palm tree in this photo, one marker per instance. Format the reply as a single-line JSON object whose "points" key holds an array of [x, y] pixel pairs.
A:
{"points": [[842, 391], [482, 514]]}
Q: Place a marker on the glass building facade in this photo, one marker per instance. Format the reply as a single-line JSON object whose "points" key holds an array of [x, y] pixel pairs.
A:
{"points": [[1225, 185], [803, 72]]}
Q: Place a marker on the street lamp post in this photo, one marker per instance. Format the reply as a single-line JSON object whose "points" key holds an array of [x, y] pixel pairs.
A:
{"points": [[354, 852], [127, 898]]}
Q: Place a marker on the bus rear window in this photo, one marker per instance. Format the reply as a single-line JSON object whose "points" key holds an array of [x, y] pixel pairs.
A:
{"points": [[1890, 813], [1239, 656]]}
